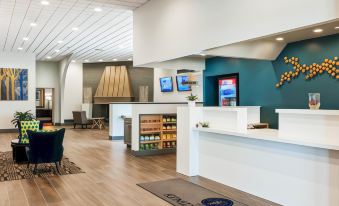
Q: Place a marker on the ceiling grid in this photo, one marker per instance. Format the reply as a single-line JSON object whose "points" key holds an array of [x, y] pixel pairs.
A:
{"points": [[91, 30]]}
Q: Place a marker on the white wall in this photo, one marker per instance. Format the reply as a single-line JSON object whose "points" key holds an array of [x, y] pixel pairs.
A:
{"points": [[190, 63], [174, 96], [7, 108], [73, 90], [116, 123], [47, 76], [170, 29]]}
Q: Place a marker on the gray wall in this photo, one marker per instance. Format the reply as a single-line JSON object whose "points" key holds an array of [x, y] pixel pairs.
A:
{"points": [[139, 76]]}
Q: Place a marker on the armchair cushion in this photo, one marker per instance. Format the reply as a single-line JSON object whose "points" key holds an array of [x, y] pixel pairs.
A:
{"points": [[24, 127], [79, 117]]}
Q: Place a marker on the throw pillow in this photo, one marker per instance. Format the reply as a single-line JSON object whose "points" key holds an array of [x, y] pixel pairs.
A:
{"points": [[27, 125]]}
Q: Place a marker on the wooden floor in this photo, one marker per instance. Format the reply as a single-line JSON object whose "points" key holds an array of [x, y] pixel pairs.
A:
{"points": [[110, 178]]}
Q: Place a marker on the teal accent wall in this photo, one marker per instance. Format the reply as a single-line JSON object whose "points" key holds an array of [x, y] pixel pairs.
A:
{"points": [[257, 79]]}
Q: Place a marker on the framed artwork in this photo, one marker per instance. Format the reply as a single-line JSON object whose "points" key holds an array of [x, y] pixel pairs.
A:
{"points": [[13, 84], [40, 98]]}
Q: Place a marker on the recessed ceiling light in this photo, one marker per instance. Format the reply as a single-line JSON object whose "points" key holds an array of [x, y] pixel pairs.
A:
{"points": [[49, 57], [115, 60], [60, 42], [202, 54], [73, 61], [97, 9], [130, 59], [75, 28], [317, 30], [33, 24], [279, 39], [44, 2], [86, 60], [337, 27], [20, 48], [25, 38], [57, 50], [100, 60]]}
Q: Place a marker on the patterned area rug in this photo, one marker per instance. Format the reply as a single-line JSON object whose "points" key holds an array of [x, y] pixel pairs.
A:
{"points": [[9, 170]]}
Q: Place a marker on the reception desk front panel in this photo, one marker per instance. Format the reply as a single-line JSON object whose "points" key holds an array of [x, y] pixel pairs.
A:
{"points": [[289, 168]]}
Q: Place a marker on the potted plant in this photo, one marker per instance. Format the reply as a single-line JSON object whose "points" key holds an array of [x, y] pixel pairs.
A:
{"points": [[191, 100], [22, 116], [205, 124]]}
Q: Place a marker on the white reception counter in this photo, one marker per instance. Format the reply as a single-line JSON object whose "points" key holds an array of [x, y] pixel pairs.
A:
{"points": [[295, 165]]}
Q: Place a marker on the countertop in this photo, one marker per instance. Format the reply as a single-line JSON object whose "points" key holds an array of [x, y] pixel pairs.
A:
{"points": [[274, 136], [152, 102], [308, 111]]}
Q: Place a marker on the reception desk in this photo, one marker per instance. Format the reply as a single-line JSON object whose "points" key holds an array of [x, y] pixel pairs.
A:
{"points": [[322, 124], [286, 166]]}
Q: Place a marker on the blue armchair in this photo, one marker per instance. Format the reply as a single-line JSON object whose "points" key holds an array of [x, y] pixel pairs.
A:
{"points": [[45, 147]]}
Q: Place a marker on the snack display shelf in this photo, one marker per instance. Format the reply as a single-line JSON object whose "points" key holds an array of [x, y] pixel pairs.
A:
{"points": [[154, 126]]}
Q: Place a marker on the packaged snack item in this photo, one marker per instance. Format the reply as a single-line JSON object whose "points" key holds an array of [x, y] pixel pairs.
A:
{"points": [[151, 138]]}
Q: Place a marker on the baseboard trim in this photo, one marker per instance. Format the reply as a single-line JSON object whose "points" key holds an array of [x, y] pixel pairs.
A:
{"points": [[8, 130], [154, 152], [63, 124], [116, 137]]}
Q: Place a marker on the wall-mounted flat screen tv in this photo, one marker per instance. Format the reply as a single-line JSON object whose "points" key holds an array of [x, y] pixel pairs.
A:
{"points": [[228, 91], [182, 83], [166, 84]]}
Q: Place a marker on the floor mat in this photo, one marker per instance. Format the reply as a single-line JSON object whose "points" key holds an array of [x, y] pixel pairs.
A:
{"points": [[179, 192]]}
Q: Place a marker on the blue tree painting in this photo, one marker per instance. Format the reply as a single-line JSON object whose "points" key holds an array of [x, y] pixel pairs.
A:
{"points": [[13, 84]]}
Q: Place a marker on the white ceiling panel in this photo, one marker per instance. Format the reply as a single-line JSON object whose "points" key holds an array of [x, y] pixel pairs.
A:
{"points": [[101, 35]]}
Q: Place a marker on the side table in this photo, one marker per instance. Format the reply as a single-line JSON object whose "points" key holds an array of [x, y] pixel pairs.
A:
{"points": [[98, 122], [19, 151]]}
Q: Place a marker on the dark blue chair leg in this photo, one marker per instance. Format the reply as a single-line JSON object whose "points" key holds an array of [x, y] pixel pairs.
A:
{"points": [[35, 167], [57, 167]]}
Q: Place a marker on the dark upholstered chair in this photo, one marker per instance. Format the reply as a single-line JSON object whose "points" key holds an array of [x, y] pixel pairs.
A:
{"points": [[80, 118], [45, 147]]}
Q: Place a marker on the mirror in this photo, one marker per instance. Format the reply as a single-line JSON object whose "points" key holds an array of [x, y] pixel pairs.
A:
{"points": [[40, 98]]}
